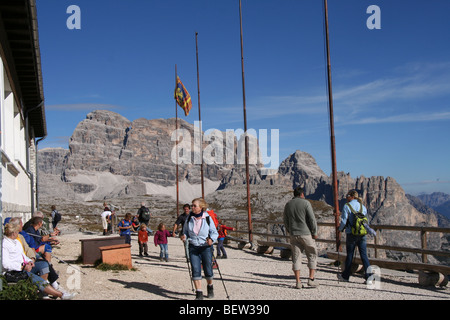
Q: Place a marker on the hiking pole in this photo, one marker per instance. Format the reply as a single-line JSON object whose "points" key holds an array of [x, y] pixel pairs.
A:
{"points": [[188, 264], [223, 282], [60, 260]]}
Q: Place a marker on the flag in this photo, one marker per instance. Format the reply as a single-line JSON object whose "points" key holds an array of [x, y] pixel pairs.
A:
{"points": [[182, 97]]}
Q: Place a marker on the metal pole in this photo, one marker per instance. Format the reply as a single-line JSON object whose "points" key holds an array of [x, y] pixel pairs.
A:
{"points": [[333, 141], [176, 142], [199, 117], [1, 210], [249, 210], [1, 228]]}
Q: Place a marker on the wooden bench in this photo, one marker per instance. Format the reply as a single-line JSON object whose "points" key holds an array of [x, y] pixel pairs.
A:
{"points": [[90, 251], [269, 246], [429, 274], [117, 254], [241, 242]]}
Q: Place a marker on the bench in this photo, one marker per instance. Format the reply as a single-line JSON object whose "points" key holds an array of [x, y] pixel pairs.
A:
{"points": [[269, 246], [429, 274], [90, 251], [242, 244], [117, 254]]}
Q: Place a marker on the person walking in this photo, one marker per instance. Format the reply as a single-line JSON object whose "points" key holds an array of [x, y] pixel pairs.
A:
{"points": [[144, 216], [354, 238], [222, 230], [143, 240], [200, 231], [56, 217], [301, 224], [181, 218], [160, 239]]}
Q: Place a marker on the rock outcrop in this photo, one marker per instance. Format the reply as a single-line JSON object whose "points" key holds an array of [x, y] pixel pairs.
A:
{"points": [[110, 157]]}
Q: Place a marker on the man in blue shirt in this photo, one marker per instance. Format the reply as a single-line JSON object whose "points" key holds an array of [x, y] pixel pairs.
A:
{"points": [[34, 239]]}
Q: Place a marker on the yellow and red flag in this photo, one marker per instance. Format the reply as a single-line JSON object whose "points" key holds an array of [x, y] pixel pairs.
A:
{"points": [[183, 97]]}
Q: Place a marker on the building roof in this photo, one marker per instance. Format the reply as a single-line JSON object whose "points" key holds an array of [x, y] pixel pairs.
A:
{"points": [[19, 39]]}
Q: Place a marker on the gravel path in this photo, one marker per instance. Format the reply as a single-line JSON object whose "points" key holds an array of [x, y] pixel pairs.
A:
{"points": [[247, 276]]}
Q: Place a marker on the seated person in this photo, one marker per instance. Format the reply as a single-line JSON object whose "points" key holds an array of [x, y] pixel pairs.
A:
{"points": [[41, 266], [43, 230], [14, 259], [135, 223], [34, 239]]}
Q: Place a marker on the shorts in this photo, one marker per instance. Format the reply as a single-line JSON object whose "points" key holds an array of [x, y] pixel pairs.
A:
{"points": [[307, 244], [104, 223]]}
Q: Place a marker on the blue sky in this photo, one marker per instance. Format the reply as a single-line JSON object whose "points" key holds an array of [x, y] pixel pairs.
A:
{"points": [[391, 86]]}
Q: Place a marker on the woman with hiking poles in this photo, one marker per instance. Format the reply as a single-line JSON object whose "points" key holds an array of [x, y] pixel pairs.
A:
{"points": [[200, 232]]}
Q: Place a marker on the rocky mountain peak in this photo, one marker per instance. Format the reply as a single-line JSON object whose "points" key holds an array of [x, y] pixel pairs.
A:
{"points": [[303, 163]]}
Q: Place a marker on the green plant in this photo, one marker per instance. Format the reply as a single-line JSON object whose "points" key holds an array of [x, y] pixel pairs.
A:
{"points": [[112, 267], [22, 290]]}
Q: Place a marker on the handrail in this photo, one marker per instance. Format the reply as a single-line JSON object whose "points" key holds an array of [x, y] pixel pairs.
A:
{"points": [[422, 229]]}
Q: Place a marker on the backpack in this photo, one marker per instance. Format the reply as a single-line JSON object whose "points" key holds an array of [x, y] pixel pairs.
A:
{"points": [[360, 219], [57, 216], [145, 214], [213, 215], [224, 231]]}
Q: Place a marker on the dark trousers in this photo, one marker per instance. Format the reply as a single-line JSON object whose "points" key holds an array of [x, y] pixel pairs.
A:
{"points": [[221, 248], [352, 242], [143, 247]]}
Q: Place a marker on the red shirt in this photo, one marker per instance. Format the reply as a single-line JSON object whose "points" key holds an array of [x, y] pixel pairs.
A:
{"points": [[143, 236], [223, 230]]}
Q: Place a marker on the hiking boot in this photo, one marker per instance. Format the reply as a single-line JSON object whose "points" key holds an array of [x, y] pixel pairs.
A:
{"points": [[341, 278], [298, 285], [210, 291], [312, 283], [199, 295]]}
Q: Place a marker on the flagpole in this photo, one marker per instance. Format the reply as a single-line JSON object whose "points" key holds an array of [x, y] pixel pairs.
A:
{"points": [[199, 117], [333, 141], [176, 143], [249, 210]]}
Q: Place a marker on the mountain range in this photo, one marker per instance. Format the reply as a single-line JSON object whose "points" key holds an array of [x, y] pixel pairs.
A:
{"points": [[121, 161]]}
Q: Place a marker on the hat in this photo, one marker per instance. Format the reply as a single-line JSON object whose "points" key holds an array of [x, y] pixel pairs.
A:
{"points": [[7, 220]]}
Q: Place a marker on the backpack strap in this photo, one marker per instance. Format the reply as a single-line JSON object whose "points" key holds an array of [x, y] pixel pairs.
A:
{"points": [[354, 214], [353, 210], [189, 219]]}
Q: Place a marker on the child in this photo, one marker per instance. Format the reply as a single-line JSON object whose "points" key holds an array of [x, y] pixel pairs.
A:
{"points": [[135, 224], [125, 228], [143, 239], [222, 229], [160, 239]]}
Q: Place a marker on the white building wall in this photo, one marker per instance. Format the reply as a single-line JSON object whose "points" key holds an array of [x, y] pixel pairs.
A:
{"points": [[16, 182]]}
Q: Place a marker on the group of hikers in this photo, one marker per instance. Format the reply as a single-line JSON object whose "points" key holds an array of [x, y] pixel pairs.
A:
{"points": [[200, 229]]}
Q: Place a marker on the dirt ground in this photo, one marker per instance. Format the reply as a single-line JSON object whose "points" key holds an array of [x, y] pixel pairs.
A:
{"points": [[245, 275]]}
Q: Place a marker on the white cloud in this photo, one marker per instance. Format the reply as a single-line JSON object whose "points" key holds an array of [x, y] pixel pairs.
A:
{"points": [[412, 84], [407, 117]]}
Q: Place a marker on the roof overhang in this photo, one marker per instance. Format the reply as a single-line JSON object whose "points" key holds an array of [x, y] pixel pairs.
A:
{"points": [[19, 39]]}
